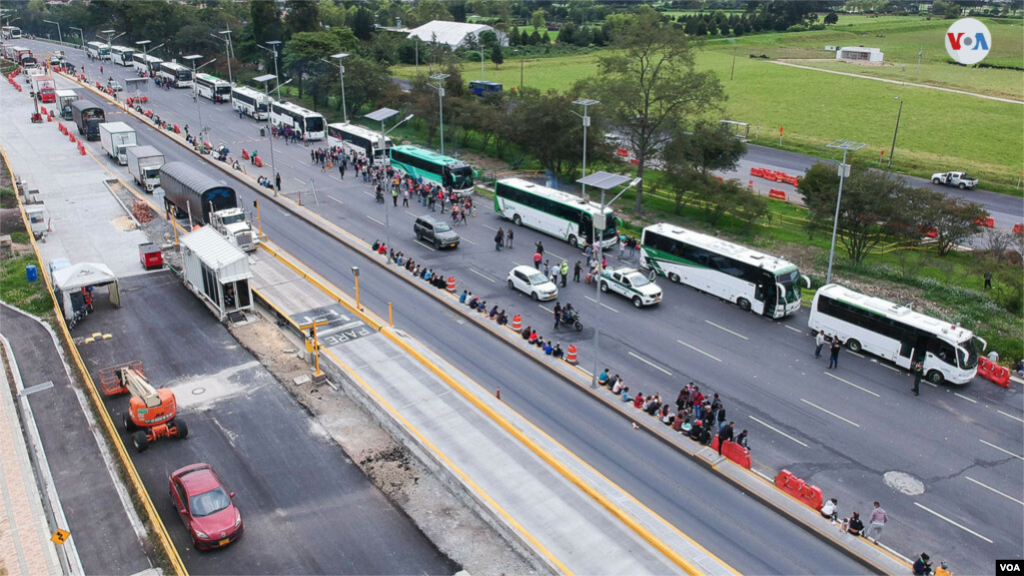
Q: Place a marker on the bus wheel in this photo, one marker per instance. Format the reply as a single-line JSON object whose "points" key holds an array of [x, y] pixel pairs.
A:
{"points": [[517, 220], [744, 304], [674, 277], [572, 240], [853, 345], [935, 377]]}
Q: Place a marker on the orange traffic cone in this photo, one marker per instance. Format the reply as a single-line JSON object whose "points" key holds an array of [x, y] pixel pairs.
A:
{"points": [[517, 323], [570, 356], [451, 284]]}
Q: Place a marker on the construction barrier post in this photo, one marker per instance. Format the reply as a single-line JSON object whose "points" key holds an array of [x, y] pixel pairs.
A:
{"points": [[570, 356], [451, 284], [517, 323]]}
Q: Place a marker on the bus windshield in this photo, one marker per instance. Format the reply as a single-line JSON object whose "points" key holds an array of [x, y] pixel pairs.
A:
{"points": [[314, 124], [462, 178], [609, 227], [791, 283], [967, 353]]}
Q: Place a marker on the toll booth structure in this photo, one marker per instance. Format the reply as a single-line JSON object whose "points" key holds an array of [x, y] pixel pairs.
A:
{"points": [[217, 271]]}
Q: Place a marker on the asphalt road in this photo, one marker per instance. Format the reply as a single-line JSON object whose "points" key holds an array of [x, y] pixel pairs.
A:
{"points": [[951, 439], [306, 507]]}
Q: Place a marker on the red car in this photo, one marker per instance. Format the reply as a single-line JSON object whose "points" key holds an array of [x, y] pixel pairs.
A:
{"points": [[205, 506]]}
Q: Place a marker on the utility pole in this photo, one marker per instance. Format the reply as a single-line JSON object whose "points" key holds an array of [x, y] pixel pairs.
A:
{"points": [[439, 78], [586, 103]]}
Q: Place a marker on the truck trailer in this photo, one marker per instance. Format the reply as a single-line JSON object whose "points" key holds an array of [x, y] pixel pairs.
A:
{"points": [[87, 117], [144, 164], [44, 89], [64, 100], [190, 193], [116, 138]]}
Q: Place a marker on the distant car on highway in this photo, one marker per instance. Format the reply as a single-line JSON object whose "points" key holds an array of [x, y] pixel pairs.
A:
{"points": [[115, 86], [632, 284], [532, 282], [205, 506], [961, 180], [435, 231]]}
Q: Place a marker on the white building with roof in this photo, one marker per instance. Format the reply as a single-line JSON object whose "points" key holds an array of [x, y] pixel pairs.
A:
{"points": [[860, 54], [453, 34]]}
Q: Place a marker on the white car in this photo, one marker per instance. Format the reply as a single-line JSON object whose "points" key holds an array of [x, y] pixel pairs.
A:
{"points": [[632, 284], [533, 282], [961, 180]]}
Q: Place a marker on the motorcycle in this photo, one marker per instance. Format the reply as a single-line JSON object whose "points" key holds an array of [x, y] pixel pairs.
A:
{"points": [[379, 197], [571, 317]]}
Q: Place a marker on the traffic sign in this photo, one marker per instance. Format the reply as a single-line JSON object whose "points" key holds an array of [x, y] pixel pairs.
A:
{"points": [[60, 536]]}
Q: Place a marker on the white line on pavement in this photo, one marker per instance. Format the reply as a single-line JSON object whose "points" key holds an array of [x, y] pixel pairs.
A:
{"points": [[409, 213], [858, 355], [830, 375], [543, 307], [727, 330], [777, 431], [763, 475], [972, 400], [893, 368], [1021, 502], [489, 228], [299, 181], [335, 199], [338, 179], [468, 240], [699, 350], [797, 330], [850, 422], [603, 305], [960, 526], [424, 245], [375, 220], [1002, 449], [553, 255], [485, 277], [1011, 416], [649, 363], [370, 194]]}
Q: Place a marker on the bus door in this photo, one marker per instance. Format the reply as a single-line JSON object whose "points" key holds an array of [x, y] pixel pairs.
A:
{"points": [[586, 225], [768, 292], [446, 177]]}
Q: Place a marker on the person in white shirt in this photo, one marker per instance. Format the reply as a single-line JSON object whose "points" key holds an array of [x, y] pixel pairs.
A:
{"points": [[819, 342], [830, 510]]}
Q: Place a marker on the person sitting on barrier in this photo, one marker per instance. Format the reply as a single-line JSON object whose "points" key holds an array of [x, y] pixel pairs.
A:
{"points": [[502, 318], [602, 378], [482, 307], [742, 440], [653, 405], [923, 565], [695, 430], [493, 312], [666, 416], [533, 337], [830, 510], [638, 403], [557, 351], [856, 526], [705, 434], [540, 342], [548, 348], [474, 302], [375, 245], [618, 386], [943, 570], [462, 297], [1019, 367]]}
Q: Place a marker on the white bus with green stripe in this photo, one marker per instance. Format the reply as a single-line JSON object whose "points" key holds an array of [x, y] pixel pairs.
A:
{"points": [[755, 282], [553, 212]]}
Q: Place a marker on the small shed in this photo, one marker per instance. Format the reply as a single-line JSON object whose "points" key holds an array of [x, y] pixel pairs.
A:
{"points": [[217, 271], [74, 287], [860, 54]]}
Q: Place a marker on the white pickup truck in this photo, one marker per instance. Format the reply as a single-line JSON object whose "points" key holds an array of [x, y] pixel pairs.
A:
{"points": [[961, 180], [632, 284]]}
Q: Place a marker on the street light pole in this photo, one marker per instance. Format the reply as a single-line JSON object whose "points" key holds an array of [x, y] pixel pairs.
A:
{"points": [[440, 99], [227, 49], [380, 116], [844, 171], [273, 166], [195, 96], [81, 35], [586, 103], [60, 37], [895, 132], [341, 71], [273, 50]]}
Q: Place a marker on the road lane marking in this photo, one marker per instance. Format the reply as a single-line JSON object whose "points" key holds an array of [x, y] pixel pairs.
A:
{"points": [[602, 305], [972, 400], [485, 277], [555, 256], [723, 328], [335, 199], [543, 307], [409, 213], [489, 228], [370, 194], [1021, 502], [338, 179], [1011, 416], [797, 330], [424, 245], [830, 375], [1002, 449], [375, 220], [850, 422], [855, 354], [468, 240], [894, 369], [699, 350], [303, 182], [960, 526], [649, 363], [777, 431]]}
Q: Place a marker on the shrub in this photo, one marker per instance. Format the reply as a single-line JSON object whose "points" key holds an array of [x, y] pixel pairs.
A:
{"points": [[797, 28]]}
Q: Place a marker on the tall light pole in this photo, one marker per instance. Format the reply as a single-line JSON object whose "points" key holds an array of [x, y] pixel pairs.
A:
{"points": [[844, 171], [270, 133], [586, 103], [60, 38], [341, 71], [81, 35], [380, 116], [604, 181], [481, 62], [273, 50], [111, 37], [227, 50], [439, 78], [895, 132], [195, 96]]}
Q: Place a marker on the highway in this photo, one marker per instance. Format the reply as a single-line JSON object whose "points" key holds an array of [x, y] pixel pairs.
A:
{"points": [[843, 434]]}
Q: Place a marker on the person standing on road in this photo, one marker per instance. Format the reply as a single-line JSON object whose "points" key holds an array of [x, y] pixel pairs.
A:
{"points": [[499, 238], [576, 272], [405, 198], [558, 319], [277, 181], [394, 197], [540, 248], [819, 342], [508, 239], [833, 360], [341, 169], [918, 374], [536, 260], [876, 523], [724, 435], [564, 271]]}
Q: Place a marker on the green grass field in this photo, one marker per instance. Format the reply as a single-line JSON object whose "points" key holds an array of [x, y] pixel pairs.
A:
{"points": [[553, 34]]}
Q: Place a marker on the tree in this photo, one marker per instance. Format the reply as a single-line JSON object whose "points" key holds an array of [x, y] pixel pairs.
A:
{"points": [[710, 147], [956, 220], [304, 51], [366, 81], [427, 10], [266, 21], [566, 33], [513, 37], [489, 39], [535, 38], [362, 23], [649, 85], [496, 56], [831, 18], [303, 16], [552, 134], [331, 14], [537, 19]]}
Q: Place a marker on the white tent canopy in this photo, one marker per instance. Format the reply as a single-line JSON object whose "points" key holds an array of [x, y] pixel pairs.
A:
{"points": [[82, 275], [452, 33]]}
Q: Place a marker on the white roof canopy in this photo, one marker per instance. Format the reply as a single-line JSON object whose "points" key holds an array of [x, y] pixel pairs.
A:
{"points": [[450, 33], [228, 261], [82, 275]]}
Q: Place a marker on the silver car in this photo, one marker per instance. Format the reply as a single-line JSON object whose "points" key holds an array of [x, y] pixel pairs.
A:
{"points": [[531, 281]]}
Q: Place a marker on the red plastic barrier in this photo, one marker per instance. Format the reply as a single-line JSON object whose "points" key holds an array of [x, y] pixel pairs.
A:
{"points": [[622, 152], [751, 185], [1018, 228], [993, 372], [986, 222], [791, 180], [769, 175], [797, 488], [245, 154], [932, 233], [777, 194], [757, 171], [81, 149], [256, 160], [634, 161], [734, 452]]}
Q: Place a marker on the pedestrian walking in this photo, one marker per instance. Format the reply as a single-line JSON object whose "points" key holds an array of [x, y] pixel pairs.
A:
{"points": [[277, 181], [394, 197], [508, 239], [405, 199], [540, 248], [558, 314], [819, 343], [833, 359], [536, 260], [564, 271], [499, 238], [876, 523], [988, 280], [576, 271], [341, 169], [918, 374], [724, 435], [547, 268]]}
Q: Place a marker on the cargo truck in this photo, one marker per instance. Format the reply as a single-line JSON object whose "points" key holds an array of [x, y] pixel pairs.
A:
{"points": [[87, 117], [144, 164], [190, 193], [44, 89], [116, 138], [64, 100]]}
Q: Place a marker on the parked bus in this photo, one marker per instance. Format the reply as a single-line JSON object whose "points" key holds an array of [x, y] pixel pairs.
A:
{"points": [[948, 352], [144, 63], [433, 167], [754, 281], [309, 123], [11, 33], [251, 102], [484, 87], [213, 88], [121, 55], [98, 50], [356, 139], [178, 75], [553, 212]]}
